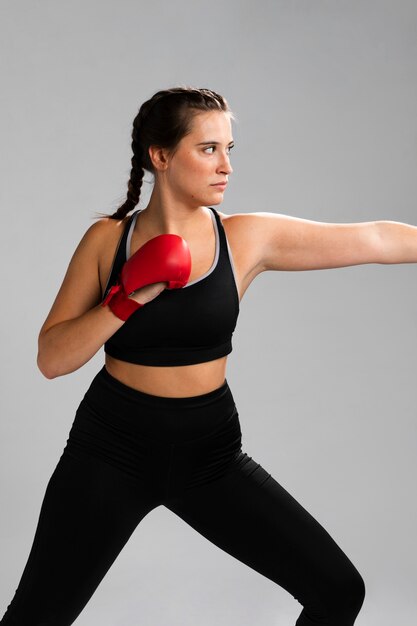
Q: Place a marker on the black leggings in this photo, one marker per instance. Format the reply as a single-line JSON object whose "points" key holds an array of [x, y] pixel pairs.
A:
{"points": [[129, 452]]}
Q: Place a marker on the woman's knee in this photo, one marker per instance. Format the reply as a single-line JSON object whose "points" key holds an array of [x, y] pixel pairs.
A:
{"points": [[345, 597], [334, 600]]}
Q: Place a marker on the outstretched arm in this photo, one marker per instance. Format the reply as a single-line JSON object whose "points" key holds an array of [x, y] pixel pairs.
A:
{"points": [[283, 242]]}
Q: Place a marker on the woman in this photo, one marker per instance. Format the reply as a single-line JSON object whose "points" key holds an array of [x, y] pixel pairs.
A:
{"points": [[158, 424]]}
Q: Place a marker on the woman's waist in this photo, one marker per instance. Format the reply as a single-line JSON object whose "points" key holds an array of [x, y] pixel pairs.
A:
{"points": [[172, 381]]}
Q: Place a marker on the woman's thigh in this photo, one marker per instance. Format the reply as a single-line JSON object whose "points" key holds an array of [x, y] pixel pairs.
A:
{"points": [[88, 513], [249, 515]]}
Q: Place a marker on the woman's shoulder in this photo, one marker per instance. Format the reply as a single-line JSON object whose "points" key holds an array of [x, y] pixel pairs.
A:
{"points": [[106, 233], [237, 225], [107, 226], [235, 218]]}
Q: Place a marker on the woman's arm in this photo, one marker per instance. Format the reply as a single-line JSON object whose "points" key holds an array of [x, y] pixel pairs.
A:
{"points": [[283, 242], [68, 345], [77, 325]]}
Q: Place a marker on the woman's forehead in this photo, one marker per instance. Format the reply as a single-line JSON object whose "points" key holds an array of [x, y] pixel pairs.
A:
{"points": [[211, 125]]}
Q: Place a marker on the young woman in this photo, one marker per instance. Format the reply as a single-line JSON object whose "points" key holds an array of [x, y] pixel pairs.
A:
{"points": [[158, 424]]}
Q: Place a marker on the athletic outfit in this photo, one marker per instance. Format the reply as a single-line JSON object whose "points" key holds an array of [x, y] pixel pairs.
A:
{"points": [[129, 452], [180, 326]]}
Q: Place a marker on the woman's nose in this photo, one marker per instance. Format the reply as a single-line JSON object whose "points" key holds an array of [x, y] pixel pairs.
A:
{"points": [[225, 166]]}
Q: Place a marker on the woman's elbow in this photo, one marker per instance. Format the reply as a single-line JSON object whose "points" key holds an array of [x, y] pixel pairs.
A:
{"points": [[45, 367], [52, 364], [44, 360]]}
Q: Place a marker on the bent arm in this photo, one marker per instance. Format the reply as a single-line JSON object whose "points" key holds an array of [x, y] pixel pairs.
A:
{"points": [[68, 345], [77, 325]]}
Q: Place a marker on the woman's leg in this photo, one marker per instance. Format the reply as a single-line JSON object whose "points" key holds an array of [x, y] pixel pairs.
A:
{"points": [[248, 514], [88, 513], [95, 498]]}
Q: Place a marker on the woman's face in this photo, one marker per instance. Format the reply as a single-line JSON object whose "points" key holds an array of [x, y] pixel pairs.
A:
{"points": [[202, 159]]}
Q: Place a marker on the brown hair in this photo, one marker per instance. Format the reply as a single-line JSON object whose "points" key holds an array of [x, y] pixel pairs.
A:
{"points": [[164, 120]]}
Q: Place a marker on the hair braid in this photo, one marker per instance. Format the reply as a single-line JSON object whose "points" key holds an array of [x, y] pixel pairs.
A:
{"points": [[135, 181]]}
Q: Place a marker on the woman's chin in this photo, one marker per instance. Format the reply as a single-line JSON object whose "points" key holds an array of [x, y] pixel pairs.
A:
{"points": [[216, 198]]}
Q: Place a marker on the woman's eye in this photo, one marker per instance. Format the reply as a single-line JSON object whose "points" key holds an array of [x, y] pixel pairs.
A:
{"points": [[214, 147]]}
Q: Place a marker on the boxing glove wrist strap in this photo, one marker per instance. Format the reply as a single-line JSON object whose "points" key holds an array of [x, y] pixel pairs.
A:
{"points": [[119, 303]]}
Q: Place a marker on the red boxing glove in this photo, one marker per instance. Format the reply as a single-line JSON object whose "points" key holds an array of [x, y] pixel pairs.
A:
{"points": [[165, 258]]}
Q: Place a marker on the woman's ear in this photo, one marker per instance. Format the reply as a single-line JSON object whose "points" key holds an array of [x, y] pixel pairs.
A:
{"points": [[159, 157]]}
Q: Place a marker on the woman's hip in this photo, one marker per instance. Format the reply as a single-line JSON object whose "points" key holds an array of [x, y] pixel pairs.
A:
{"points": [[156, 440]]}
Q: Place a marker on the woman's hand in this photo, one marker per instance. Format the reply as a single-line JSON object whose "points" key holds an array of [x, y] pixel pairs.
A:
{"points": [[148, 292]]}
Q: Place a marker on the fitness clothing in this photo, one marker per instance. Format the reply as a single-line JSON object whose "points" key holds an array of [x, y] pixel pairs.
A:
{"points": [[183, 326], [129, 452]]}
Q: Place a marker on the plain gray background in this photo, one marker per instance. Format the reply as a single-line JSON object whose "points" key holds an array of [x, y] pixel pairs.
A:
{"points": [[324, 362]]}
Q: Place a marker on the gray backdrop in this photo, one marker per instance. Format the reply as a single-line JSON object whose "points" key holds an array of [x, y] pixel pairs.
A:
{"points": [[324, 362]]}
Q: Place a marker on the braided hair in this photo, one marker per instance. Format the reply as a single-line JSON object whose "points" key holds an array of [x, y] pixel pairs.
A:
{"points": [[164, 120]]}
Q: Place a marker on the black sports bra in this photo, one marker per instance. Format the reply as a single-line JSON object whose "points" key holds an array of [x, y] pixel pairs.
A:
{"points": [[183, 326]]}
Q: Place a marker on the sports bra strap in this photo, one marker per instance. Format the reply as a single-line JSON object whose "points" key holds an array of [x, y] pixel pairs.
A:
{"points": [[119, 256]]}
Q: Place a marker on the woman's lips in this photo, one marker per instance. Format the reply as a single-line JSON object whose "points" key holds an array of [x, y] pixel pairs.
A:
{"points": [[220, 185]]}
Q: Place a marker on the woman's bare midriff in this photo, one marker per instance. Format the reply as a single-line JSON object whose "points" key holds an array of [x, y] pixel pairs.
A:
{"points": [[173, 382]]}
